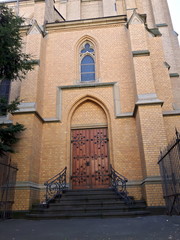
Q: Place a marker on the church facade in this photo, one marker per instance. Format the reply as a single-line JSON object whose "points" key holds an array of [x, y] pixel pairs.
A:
{"points": [[105, 90]]}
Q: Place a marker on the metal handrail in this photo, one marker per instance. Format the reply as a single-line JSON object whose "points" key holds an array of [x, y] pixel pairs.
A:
{"points": [[55, 186], [118, 183], [169, 165], [169, 148]]}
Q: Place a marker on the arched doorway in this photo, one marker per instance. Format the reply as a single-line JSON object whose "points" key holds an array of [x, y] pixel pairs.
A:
{"points": [[89, 147]]}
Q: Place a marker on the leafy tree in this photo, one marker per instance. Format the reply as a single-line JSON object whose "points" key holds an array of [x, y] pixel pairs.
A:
{"points": [[14, 64], [9, 133]]}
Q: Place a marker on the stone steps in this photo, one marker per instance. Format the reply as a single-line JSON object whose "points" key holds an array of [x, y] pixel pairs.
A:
{"points": [[88, 203], [88, 208], [88, 215]]}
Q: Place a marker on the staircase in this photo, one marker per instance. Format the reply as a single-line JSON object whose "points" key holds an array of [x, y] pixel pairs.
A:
{"points": [[88, 203]]}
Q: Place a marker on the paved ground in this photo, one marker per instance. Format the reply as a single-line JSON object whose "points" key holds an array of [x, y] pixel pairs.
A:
{"points": [[140, 228]]}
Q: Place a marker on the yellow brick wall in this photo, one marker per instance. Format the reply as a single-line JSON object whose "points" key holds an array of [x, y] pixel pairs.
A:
{"points": [[175, 83], [42, 195], [153, 136], [140, 144], [152, 198], [171, 124], [22, 200], [160, 73], [147, 9], [34, 196], [23, 148], [53, 155], [28, 149], [136, 192], [138, 37], [144, 77], [91, 9], [126, 159]]}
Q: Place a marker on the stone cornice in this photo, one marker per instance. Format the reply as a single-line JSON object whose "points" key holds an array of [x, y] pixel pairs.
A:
{"points": [[5, 120], [27, 185], [149, 102], [159, 25], [125, 115], [34, 61], [99, 125], [88, 0], [141, 53], [39, 0], [84, 23], [171, 113], [31, 185], [154, 31], [30, 108], [152, 180], [147, 180], [24, 29], [21, 1], [87, 85], [175, 75], [131, 183], [145, 100]]}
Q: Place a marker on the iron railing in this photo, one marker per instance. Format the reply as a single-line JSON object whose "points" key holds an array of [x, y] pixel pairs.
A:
{"points": [[118, 183], [169, 163], [7, 187], [55, 186]]}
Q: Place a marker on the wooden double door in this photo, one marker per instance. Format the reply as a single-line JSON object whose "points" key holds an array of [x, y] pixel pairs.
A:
{"points": [[90, 160]]}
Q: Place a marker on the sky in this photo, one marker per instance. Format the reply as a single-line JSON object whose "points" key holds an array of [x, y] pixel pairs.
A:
{"points": [[174, 6]]}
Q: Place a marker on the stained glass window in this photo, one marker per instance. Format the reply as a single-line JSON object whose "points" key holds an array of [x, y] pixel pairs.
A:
{"points": [[87, 48], [87, 64]]}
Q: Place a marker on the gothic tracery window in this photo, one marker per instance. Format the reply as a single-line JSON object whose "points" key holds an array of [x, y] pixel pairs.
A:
{"points": [[87, 62]]}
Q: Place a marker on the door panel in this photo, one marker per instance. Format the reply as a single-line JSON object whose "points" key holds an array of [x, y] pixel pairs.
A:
{"points": [[90, 163]]}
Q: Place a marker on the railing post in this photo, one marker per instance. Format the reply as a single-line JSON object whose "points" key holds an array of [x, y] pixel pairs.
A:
{"points": [[118, 183], [55, 186]]}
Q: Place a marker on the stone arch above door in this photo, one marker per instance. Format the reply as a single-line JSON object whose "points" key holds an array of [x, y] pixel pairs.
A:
{"points": [[88, 113]]}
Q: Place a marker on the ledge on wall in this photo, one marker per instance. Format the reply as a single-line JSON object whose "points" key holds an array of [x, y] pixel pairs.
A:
{"points": [[161, 25], [140, 53], [174, 75], [5, 120]]}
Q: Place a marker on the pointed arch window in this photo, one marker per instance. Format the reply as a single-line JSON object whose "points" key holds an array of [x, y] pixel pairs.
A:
{"points": [[87, 63]]}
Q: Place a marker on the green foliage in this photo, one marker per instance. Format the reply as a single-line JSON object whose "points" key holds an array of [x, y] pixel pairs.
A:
{"points": [[8, 137], [9, 133], [14, 64], [8, 107]]}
